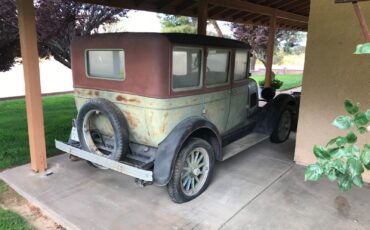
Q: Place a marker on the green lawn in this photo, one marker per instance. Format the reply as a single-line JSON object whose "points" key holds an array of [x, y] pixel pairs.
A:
{"points": [[9, 219], [290, 81], [58, 113]]}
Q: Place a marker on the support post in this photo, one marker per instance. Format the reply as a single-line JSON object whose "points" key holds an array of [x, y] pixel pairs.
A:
{"points": [[270, 51], [362, 21], [202, 16], [30, 59]]}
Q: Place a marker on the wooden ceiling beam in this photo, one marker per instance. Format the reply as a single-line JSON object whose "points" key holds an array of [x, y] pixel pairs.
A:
{"points": [[259, 9]]}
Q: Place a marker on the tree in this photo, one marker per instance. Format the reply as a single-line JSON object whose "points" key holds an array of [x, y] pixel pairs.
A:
{"points": [[178, 24], [183, 24], [257, 37], [58, 21]]}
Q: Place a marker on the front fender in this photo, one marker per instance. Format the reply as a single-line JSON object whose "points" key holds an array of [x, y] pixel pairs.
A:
{"points": [[169, 148], [269, 115]]}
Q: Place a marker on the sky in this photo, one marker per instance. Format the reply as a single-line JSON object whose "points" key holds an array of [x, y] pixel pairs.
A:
{"points": [[143, 21]]}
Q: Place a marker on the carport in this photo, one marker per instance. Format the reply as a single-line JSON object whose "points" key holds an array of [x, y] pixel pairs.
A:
{"points": [[260, 188], [275, 14]]}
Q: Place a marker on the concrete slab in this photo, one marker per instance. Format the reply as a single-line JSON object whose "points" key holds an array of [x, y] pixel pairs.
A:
{"points": [[291, 203], [258, 189], [81, 197]]}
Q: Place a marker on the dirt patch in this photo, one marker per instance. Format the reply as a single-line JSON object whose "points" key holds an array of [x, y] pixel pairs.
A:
{"points": [[10, 200]]}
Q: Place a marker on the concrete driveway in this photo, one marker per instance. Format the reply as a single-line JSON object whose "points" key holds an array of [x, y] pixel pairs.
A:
{"points": [[258, 189]]}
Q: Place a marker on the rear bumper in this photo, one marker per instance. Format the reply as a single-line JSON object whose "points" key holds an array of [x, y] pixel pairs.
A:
{"points": [[129, 170]]}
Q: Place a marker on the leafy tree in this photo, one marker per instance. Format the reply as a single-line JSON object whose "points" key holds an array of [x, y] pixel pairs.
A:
{"points": [[183, 24], [178, 24], [58, 21], [257, 37]]}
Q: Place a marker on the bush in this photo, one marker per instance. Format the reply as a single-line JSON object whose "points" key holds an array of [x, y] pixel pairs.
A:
{"points": [[275, 84]]}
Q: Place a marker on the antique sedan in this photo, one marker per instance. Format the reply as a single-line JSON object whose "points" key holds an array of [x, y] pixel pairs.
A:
{"points": [[164, 107]]}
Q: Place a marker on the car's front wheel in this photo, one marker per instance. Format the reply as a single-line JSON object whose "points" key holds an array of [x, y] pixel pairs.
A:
{"points": [[192, 172]]}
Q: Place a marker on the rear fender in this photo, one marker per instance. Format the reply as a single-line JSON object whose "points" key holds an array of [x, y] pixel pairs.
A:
{"points": [[169, 148]]}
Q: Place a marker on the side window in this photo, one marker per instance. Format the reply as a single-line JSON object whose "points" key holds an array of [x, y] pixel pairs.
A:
{"points": [[218, 66], [241, 65], [105, 64], [186, 68]]}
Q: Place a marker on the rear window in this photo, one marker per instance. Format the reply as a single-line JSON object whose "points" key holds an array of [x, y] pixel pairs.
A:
{"points": [[186, 68], [218, 66], [105, 64], [241, 65]]}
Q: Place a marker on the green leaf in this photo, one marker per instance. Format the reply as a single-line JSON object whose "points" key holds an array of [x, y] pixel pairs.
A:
{"points": [[365, 157], [344, 183], [339, 165], [332, 175], [357, 180], [351, 138], [355, 167], [352, 150], [361, 119], [321, 153], [341, 153], [313, 172], [350, 107], [343, 122], [332, 141], [362, 130], [368, 114], [341, 141]]}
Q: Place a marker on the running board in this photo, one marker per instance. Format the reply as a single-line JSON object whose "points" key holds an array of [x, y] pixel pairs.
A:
{"points": [[242, 144], [145, 175]]}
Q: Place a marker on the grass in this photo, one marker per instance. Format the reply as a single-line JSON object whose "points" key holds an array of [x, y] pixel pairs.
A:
{"points": [[290, 81], [58, 112], [9, 219]]}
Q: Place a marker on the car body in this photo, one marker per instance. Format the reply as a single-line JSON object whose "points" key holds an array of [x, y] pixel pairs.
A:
{"points": [[151, 99]]}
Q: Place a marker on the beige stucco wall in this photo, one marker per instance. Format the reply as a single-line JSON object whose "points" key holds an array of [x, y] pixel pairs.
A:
{"points": [[332, 73]]}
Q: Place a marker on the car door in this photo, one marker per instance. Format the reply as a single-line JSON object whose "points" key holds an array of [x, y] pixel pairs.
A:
{"points": [[217, 82], [239, 96]]}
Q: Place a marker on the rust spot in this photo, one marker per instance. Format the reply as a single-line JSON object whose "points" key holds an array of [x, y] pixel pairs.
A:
{"points": [[90, 93], [120, 98], [97, 93], [132, 120], [163, 127], [125, 100]]}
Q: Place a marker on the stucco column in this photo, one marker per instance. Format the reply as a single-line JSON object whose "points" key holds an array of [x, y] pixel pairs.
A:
{"points": [[30, 59]]}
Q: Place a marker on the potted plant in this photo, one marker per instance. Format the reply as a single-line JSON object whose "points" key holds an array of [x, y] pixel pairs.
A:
{"points": [[275, 84]]}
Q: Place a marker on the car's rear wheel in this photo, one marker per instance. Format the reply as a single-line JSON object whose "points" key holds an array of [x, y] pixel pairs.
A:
{"points": [[192, 172], [102, 129], [282, 130]]}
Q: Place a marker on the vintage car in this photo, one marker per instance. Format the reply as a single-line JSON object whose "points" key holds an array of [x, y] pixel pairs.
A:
{"points": [[164, 107]]}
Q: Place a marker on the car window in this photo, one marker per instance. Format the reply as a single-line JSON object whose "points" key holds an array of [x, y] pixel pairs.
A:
{"points": [[241, 64], [105, 64], [217, 66], [186, 67]]}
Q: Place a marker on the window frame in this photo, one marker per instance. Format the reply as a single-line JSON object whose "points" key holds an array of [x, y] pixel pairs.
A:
{"points": [[100, 77], [201, 70], [230, 51], [247, 73]]}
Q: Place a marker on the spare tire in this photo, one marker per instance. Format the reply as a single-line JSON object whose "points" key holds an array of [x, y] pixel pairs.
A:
{"points": [[102, 129]]}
